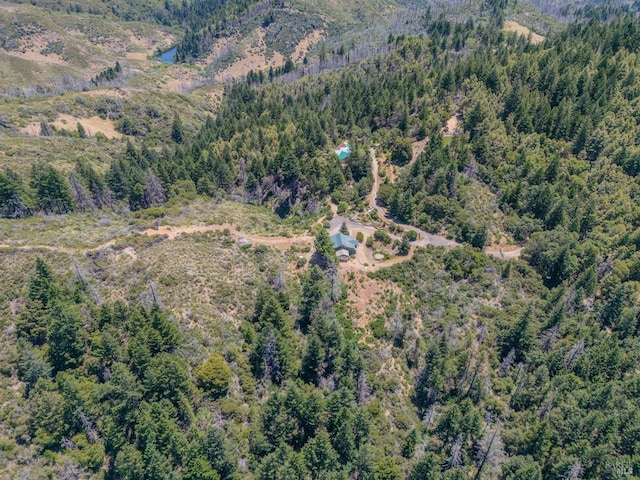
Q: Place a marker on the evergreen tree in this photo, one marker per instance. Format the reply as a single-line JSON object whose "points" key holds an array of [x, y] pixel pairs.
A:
{"points": [[177, 132], [64, 337], [52, 192]]}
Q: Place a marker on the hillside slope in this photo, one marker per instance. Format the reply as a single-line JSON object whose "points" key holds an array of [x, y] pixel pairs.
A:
{"points": [[172, 305]]}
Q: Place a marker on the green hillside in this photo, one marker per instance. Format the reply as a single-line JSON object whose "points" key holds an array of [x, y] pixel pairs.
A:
{"points": [[172, 306]]}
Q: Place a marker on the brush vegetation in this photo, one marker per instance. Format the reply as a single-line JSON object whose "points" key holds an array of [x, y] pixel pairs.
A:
{"points": [[197, 356]]}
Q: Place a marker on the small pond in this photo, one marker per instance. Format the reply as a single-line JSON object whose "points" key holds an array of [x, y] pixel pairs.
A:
{"points": [[168, 57]]}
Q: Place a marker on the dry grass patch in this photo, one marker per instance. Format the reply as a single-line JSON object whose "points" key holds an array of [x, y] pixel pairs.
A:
{"points": [[511, 26]]}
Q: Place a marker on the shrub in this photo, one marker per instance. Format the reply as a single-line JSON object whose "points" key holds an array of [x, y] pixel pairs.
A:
{"points": [[382, 237], [378, 328], [214, 375], [411, 235]]}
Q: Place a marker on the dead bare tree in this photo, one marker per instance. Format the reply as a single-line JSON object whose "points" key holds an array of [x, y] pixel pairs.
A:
{"points": [[81, 197], [549, 338], [45, 129], [506, 363], [15, 208], [278, 281], [363, 392], [270, 359], [574, 471], [490, 454], [89, 427], [102, 195], [429, 416], [548, 405], [154, 193], [455, 456], [71, 471], [573, 354]]}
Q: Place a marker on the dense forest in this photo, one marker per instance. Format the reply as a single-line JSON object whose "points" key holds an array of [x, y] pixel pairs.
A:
{"points": [[520, 369]]}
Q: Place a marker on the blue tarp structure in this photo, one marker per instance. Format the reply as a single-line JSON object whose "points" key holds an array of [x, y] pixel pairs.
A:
{"points": [[343, 151]]}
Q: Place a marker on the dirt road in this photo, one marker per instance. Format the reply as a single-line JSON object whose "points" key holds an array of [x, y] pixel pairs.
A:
{"points": [[424, 238], [281, 243]]}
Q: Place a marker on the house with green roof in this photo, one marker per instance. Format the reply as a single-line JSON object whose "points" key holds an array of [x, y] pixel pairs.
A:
{"points": [[344, 243]]}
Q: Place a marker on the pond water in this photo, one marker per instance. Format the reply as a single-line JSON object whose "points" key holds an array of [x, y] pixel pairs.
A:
{"points": [[168, 57]]}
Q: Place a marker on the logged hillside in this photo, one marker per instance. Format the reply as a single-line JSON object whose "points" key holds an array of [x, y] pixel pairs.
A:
{"points": [[172, 306]]}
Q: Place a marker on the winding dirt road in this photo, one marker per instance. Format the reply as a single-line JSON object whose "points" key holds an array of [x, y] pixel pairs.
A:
{"points": [[424, 238]]}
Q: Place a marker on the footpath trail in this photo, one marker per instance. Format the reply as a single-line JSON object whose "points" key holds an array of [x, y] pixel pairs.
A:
{"points": [[281, 243], [58, 249]]}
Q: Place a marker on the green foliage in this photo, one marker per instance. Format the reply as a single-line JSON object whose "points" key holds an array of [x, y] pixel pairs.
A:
{"points": [[553, 255], [214, 375], [540, 352], [64, 337], [82, 133], [382, 237], [13, 196], [129, 464], [177, 133], [108, 75], [401, 151], [52, 192], [378, 328], [410, 235], [405, 246], [324, 248], [387, 469]]}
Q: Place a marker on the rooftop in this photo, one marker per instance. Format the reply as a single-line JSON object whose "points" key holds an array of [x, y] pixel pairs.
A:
{"points": [[343, 150], [340, 240]]}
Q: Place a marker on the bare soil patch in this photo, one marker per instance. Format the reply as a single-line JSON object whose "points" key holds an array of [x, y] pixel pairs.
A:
{"points": [[452, 127], [179, 79], [92, 126], [136, 56], [363, 295], [281, 243], [108, 92], [511, 26], [32, 47], [417, 148], [305, 44], [254, 59]]}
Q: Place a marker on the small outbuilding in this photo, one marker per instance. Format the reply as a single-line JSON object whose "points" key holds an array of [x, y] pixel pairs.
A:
{"points": [[343, 254], [343, 151]]}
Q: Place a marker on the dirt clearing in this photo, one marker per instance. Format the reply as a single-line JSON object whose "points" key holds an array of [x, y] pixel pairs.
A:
{"points": [[452, 127], [281, 243], [511, 26], [364, 295], [91, 125], [305, 44], [254, 59]]}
